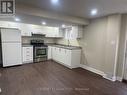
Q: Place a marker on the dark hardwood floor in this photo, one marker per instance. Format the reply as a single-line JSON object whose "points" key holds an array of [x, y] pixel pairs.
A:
{"points": [[50, 78]]}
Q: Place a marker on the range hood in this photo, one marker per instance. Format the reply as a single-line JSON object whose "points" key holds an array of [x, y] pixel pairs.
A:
{"points": [[38, 34]]}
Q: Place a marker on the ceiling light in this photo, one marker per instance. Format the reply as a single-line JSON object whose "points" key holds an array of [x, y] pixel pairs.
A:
{"points": [[63, 25], [17, 19], [94, 12], [44, 23], [54, 1]]}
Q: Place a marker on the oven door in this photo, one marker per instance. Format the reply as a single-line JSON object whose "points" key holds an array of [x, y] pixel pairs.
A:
{"points": [[40, 52]]}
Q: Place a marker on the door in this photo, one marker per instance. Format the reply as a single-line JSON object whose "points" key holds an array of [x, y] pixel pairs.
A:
{"points": [[11, 53], [10, 35]]}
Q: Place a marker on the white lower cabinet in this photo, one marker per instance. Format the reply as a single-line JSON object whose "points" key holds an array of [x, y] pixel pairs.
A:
{"points": [[69, 58], [27, 54], [49, 52]]}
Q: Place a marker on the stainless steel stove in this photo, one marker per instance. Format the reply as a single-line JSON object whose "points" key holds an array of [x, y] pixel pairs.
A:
{"points": [[40, 50]]}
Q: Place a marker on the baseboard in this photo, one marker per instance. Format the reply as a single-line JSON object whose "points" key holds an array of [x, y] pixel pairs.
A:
{"points": [[119, 78], [92, 70], [101, 73], [113, 79]]}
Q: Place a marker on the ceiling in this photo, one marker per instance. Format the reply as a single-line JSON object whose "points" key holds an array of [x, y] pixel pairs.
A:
{"points": [[80, 8], [29, 19]]}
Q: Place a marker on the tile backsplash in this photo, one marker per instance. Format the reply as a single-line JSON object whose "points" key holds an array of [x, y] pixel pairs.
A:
{"points": [[26, 40]]}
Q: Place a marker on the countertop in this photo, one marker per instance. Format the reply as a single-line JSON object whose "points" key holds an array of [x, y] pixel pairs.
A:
{"points": [[65, 46], [56, 45], [27, 45]]}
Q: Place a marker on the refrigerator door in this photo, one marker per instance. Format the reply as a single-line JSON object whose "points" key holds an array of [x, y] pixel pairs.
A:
{"points": [[10, 35], [11, 53]]}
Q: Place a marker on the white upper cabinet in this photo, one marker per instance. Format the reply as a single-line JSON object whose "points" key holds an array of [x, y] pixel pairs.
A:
{"points": [[25, 30], [54, 32], [73, 32], [28, 29]]}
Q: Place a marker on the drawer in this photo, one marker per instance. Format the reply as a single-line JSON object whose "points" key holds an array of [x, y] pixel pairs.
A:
{"points": [[27, 54], [28, 59]]}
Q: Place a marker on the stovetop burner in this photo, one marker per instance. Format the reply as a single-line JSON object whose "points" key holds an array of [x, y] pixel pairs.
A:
{"points": [[38, 43]]}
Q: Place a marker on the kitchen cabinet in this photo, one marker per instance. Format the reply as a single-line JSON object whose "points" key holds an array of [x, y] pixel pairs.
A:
{"points": [[69, 58], [27, 54], [55, 53], [25, 30], [49, 52], [54, 32], [73, 32], [28, 29]]}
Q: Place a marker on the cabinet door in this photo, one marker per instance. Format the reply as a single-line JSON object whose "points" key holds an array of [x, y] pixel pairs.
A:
{"points": [[49, 32], [25, 30], [62, 57], [59, 55], [67, 58], [49, 52], [53, 32], [24, 57], [54, 53]]}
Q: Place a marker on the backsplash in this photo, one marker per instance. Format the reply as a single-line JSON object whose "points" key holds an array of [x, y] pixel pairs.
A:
{"points": [[73, 42], [26, 40]]}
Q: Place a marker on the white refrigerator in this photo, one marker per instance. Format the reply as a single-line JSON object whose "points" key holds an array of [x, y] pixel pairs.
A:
{"points": [[11, 47]]}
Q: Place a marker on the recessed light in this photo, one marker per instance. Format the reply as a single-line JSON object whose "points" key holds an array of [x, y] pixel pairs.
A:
{"points": [[17, 19], [44, 23], [54, 1], [63, 25], [94, 11]]}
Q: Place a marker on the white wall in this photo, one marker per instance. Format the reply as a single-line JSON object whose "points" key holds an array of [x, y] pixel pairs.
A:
{"points": [[100, 44], [93, 44]]}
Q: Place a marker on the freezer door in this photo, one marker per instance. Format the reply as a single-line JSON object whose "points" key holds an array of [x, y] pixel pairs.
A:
{"points": [[11, 53], [10, 35]]}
